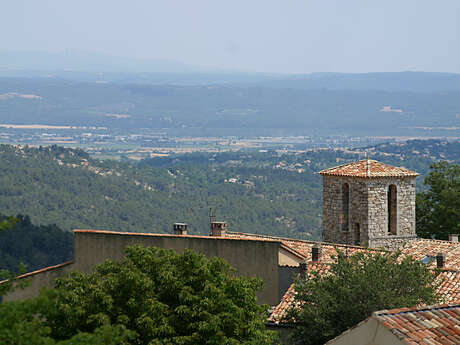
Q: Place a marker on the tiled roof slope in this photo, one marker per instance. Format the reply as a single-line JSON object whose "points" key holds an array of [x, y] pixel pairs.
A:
{"points": [[280, 311], [449, 289], [368, 168], [303, 247], [435, 325], [423, 247]]}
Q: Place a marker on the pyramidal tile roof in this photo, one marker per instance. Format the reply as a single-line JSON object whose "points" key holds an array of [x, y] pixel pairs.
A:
{"points": [[368, 168]]}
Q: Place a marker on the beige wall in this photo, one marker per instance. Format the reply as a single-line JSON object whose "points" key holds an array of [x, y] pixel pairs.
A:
{"points": [[36, 281], [251, 258], [369, 332], [286, 258]]}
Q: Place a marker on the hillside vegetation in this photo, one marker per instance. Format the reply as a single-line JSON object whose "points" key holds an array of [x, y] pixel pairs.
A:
{"points": [[260, 192], [34, 246]]}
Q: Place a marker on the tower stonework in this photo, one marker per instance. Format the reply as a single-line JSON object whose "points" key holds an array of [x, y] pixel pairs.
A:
{"points": [[369, 203]]}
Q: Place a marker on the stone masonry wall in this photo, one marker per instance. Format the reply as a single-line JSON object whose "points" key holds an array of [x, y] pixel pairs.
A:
{"points": [[368, 211], [378, 206], [333, 216]]}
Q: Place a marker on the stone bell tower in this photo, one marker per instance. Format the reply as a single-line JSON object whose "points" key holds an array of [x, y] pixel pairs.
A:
{"points": [[369, 203]]}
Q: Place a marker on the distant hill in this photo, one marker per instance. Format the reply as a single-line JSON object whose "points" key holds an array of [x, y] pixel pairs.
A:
{"points": [[90, 66], [426, 82], [86, 62], [67, 188], [268, 193], [229, 110]]}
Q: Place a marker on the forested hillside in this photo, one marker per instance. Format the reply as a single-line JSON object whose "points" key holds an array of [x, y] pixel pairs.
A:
{"points": [[261, 192], [34, 246], [63, 186]]}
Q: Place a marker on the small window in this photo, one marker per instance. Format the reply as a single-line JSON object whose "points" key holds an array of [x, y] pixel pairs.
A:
{"points": [[357, 234], [345, 206], [392, 210], [427, 259]]}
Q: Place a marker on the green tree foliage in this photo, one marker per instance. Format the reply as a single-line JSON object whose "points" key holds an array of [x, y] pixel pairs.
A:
{"points": [[269, 193], [438, 209], [161, 297], [20, 324], [32, 245], [7, 223], [357, 286], [63, 186]]}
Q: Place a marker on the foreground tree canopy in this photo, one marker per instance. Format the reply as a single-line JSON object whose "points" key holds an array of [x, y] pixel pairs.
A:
{"points": [[153, 296], [438, 209], [356, 286]]}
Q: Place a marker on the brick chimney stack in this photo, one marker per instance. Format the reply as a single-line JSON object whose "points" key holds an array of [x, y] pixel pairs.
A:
{"points": [[316, 253], [440, 260], [218, 228], [180, 229], [453, 238]]}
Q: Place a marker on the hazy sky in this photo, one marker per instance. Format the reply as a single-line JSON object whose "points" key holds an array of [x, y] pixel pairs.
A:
{"points": [[292, 36]]}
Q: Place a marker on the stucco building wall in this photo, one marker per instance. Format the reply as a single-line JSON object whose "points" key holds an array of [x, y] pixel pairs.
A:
{"points": [[252, 258], [38, 280]]}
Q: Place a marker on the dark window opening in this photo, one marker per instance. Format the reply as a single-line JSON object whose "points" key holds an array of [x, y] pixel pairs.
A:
{"points": [[345, 205], [392, 210], [357, 234]]}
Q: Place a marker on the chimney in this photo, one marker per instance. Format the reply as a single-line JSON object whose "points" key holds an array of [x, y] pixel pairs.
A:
{"points": [[180, 229], [303, 270], [218, 228], [453, 238], [440, 260], [316, 253]]}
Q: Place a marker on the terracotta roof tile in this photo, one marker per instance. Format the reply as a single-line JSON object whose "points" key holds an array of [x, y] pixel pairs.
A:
{"points": [[449, 289], [280, 311], [303, 247], [368, 168], [440, 324], [421, 248]]}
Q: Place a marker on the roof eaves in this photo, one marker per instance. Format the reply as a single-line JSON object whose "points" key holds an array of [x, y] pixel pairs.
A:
{"points": [[293, 251], [45, 269]]}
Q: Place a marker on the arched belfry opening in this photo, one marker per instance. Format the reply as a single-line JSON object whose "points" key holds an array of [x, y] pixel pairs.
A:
{"points": [[392, 210], [345, 206]]}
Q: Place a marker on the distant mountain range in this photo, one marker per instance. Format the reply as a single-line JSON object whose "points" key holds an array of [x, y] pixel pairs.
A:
{"points": [[87, 62], [87, 89], [84, 66]]}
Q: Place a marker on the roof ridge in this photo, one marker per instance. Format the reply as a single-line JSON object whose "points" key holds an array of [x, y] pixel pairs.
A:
{"points": [[306, 241], [396, 311], [44, 269], [339, 166], [436, 240], [368, 168]]}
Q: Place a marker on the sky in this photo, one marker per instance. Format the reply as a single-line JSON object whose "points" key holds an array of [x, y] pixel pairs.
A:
{"points": [[274, 36]]}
